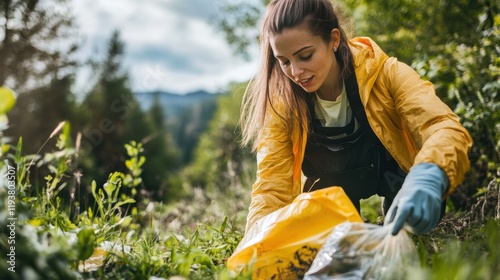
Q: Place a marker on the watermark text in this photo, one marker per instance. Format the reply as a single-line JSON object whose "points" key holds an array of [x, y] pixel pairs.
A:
{"points": [[11, 217]]}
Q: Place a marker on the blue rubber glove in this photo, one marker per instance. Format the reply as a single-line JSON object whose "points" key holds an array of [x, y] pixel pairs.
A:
{"points": [[419, 201]]}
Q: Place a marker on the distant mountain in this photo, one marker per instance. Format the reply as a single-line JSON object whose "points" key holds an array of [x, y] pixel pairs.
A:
{"points": [[175, 104], [187, 116]]}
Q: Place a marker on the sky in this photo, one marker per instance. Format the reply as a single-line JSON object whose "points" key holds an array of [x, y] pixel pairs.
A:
{"points": [[170, 45]]}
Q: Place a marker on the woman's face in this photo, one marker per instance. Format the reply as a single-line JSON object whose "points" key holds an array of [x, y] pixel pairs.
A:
{"points": [[307, 59]]}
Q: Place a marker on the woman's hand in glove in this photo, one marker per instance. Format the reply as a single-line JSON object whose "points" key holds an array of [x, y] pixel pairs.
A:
{"points": [[419, 201]]}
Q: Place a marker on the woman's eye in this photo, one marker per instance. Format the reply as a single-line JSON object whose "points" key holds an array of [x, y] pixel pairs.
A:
{"points": [[307, 57], [285, 63]]}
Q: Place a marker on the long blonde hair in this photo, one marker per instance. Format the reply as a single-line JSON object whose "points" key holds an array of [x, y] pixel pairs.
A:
{"points": [[271, 85]]}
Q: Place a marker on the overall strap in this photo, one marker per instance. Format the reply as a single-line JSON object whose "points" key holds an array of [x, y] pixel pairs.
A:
{"points": [[352, 92], [391, 175]]}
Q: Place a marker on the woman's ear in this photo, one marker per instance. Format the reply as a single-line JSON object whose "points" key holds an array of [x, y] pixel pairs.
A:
{"points": [[335, 38]]}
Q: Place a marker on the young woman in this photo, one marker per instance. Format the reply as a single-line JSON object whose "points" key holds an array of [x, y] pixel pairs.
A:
{"points": [[343, 113]]}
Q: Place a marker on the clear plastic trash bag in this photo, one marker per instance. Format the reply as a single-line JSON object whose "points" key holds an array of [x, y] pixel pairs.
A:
{"points": [[364, 251]]}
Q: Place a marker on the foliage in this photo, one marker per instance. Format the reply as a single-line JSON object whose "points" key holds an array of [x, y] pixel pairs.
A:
{"points": [[189, 126], [111, 117], [220, 164], [106, 110], [38, 41], [475, 255], [163, 157], [409, 29], [74, 227], [8, 100], [57, 96], [371, 210], [236, 20], [201, 255], [46, 233], [218, 156], [20, 233], [46, 242], [32, 35], [36, 59], [106, 242], [468, 77]]}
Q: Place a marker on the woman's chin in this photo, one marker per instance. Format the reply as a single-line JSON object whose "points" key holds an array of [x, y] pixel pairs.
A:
{"points": [[309, 89]]}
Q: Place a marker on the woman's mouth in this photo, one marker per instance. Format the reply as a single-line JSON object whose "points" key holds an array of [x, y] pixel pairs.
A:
{"points": [[305, 82]]}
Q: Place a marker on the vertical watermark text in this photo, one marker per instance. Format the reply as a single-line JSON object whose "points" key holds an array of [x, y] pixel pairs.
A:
{"points": [[11, 217]]}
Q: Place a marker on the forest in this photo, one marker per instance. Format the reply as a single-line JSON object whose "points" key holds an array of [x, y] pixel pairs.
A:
{"points": [[96, 185]]}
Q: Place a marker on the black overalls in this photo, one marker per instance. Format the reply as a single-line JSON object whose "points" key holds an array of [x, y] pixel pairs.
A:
{"points": [[358, 162]]}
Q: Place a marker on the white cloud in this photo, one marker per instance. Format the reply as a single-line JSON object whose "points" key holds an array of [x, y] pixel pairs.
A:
{"points": [[149, 76], [169, 45]]}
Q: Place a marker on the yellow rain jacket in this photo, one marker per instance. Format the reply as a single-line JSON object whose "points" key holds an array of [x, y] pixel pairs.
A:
{"points": [[404, 112]]}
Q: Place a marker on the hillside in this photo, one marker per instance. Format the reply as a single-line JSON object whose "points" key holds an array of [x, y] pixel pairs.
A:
{"points": [[187, 116], [175, 104]]}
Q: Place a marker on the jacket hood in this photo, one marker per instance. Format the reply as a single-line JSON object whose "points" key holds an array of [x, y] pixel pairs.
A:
{"points": [[368, 61], [368, 54]]}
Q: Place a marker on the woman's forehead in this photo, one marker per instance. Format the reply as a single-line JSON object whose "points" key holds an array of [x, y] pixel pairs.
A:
{"points": [[292, 40]]}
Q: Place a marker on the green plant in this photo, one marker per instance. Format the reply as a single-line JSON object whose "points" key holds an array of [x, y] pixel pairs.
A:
{"points": [[39, 246], [109, 202], [198, 254], [109, 214], [443, 256]]}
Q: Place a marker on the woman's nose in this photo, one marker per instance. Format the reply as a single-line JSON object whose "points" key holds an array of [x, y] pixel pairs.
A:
{"points": [[296, 70]]}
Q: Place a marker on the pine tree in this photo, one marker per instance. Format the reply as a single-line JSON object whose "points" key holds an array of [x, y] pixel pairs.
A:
{"points": [[160, 152], [38, 112], [111, 117], [104, 114], [33, 32], [36, 67]]}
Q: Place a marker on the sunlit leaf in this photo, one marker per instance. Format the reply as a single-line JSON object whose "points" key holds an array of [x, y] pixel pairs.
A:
{"points": [[86, 243], [36, 222], [109, 188], [7, 100]]}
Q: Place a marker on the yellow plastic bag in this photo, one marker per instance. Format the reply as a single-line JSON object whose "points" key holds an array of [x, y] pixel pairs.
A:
{"points": [[283, 244]]}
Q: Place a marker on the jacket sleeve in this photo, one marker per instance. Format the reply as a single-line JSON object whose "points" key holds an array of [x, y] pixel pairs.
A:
{"points": [[273, 187], [435, 129]]}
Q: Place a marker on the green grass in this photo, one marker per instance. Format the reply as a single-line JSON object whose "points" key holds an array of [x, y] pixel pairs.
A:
{"points": [[122, 237]]}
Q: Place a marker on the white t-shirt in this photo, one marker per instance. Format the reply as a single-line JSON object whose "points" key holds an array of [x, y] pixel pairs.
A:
{"points": [[336, 113]]}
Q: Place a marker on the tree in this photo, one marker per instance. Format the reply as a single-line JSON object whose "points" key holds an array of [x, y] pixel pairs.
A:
{"points": [[219, 161], [111, 117], [33, 63], [104, 115], [190, 125], [46, 106], [159, 150], [29, 53], [238, 22], [412, 29]]}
